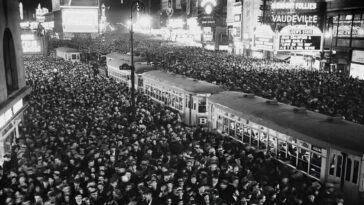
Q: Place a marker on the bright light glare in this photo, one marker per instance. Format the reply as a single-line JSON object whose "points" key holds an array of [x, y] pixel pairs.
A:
{"points": [[208, 9], [128, 23], [145, 21], [328, 34]]}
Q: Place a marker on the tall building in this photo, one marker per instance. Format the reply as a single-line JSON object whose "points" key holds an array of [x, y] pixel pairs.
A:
{"points": [[344, 33], [76, 18], [12, 79]]}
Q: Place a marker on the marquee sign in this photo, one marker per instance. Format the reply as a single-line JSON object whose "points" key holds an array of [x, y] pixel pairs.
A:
{"points": [[293, 17], [300, 38]]}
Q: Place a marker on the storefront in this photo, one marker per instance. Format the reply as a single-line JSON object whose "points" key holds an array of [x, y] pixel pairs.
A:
{"points": [[9, 127], [344, 32]]}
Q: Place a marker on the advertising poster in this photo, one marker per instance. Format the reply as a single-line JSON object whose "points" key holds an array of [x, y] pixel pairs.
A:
{"points": [[80, 20]]}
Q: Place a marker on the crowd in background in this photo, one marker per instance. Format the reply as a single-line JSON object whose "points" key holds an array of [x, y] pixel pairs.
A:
{"points": [[319, 91], [80, 145]]}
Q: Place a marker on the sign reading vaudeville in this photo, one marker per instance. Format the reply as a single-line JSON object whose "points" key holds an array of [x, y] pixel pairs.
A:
{"points": [[289, 12], [300, 38]]}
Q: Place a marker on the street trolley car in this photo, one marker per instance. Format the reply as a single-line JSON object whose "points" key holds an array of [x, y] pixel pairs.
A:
{"points": [[187, 96], [326, 148], [118, 68]]}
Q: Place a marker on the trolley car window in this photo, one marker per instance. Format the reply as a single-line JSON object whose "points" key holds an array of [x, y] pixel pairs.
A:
{"points": [[348, 170], [303, 159], [339, 165], [246, 137], [282, 150], [263, 140], [355, 172], [272, 145], [315, 166], [202, 105], [332, 164], [226, 125], [255, 138], [239, 130], [231, 128], [292, 154]]}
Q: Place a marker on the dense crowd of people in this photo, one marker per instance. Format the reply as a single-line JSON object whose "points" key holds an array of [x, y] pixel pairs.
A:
{"points": [[80, 145], [319, 91], [327, 93]]}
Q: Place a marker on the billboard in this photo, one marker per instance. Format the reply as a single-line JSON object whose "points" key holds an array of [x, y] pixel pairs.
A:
{"points": [[357, 64], [31, 44], [80, 19]]}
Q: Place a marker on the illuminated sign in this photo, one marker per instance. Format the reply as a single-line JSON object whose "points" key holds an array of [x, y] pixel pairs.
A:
{"points": [[209, 5], [263, 38], [31, 44], [357, 71], [290, 5], [358, 56], [80, 20], [294, 7], [207, 21], [206, 2], [294, 18], [300, 38]]}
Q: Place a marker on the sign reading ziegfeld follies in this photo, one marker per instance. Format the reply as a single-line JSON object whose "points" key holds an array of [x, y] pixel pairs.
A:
{"points": [[290, 12]]}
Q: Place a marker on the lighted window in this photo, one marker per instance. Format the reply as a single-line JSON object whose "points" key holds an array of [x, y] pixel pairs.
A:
{"points": [[17, 106], [2, 120], [8, 115]]}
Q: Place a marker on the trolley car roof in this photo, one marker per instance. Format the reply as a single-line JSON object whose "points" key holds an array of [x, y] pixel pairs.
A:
{"points": [[66, 49], [181, 82], [126, 57], [140, 67], [310, 126]]}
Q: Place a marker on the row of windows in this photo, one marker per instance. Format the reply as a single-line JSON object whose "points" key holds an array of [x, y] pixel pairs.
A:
{"points": [[169, 98], [347, 30], [302, 155], [174, 99]]}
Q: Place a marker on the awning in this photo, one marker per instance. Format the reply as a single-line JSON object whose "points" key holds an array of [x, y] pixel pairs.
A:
{"points": [[282, 57]]}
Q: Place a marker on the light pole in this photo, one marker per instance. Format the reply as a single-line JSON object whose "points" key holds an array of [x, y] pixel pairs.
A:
{"points": [[139, 6]]}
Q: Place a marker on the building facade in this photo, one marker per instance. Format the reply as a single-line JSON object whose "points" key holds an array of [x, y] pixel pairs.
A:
{"points": [[344, 32], [12, 80]]}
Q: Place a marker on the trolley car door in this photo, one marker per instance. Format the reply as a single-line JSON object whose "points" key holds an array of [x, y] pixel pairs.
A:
{"points": [[335, 167], [344, 172]]}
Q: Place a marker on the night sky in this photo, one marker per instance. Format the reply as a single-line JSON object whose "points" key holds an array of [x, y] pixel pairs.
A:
{"points": [[117, 12]]}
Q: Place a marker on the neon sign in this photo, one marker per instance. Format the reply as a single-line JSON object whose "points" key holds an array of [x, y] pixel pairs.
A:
{"points": [[289, 5], [294, 18]]}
